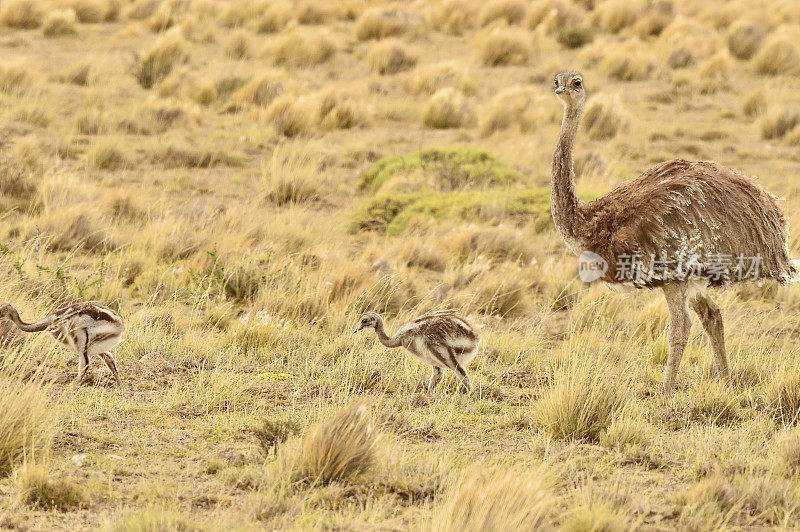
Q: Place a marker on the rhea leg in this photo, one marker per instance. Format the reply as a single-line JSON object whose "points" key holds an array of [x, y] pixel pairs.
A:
{"points": [[108, 358], [82, 347], [711, 318], [436, 376], [680, 324]]}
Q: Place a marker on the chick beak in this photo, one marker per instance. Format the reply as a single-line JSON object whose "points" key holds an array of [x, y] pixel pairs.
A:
{"points": [[559, 90]]}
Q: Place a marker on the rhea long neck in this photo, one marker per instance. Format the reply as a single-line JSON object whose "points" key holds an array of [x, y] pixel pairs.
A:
{"points": [[385, 339], [40, 325], [564, 203]]}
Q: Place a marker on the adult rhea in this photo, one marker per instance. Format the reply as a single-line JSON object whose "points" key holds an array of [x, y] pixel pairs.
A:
{"points": [[682, 226]]}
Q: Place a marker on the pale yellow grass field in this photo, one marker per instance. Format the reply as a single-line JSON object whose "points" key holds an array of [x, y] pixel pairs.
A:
{"points": [[213, 171]]}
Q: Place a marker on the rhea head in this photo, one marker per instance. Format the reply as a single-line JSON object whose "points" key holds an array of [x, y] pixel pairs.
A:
{"points": [[568, 87], [370, 319]]}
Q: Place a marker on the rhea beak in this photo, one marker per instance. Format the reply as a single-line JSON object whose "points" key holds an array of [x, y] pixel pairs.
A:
{"points": [[559, 90], [357, 330]]}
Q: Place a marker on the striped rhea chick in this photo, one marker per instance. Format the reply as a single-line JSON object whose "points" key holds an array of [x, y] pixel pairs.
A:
{"points": [[85, 328], [443, 339]]}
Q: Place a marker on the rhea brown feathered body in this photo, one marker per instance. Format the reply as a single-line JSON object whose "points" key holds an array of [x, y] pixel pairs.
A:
{"points": [[443, 339], [676, 210], [87, 329]]}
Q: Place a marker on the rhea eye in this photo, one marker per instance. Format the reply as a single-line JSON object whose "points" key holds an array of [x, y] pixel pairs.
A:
{"points": [[555, 82], [577, 83]]}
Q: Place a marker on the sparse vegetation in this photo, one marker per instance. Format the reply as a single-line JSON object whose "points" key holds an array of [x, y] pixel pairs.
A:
{"points": [[390, 57], [157, 63], [448, 108], [604, 117], [503, 46]]}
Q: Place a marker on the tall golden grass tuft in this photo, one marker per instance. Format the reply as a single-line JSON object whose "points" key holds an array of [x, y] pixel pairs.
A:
{"points": [[390, 56], [301, 47], [36, 489], [454, 17], [157, 62], [25, 14], [615, 15], [508, 11], [260, 91], [745, 39], [779, 55], [604, 117], [26, 422], [780, 122], [502, 45], [339, 449], [782, 397], [583, 401], [377, 23], [496, 499], [337, 111], [430, 78], [628, 64], [448, 108], [59, 22], [291, 116], [90, 11], [274, 18], [755, 104]]}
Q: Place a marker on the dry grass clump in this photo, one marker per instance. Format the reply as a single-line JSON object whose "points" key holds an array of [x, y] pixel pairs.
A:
{"points": [[430, 78], [788, 453], [273, 432], [755, 104], [628, 65], [14, 79], [496, 499], [574, 37], [583, 401], [716, 68], [448, 108], [613, 16], [745, 39], [604, 117], [260, 91], [336, 111], [59, 22], [508, 11], [179, 155], [314, 13], [454, 17], [106, 155], [778, 56], [290, 116], [157, 63], [26, 422], [238, 46], [681, 57], [655, 19], [340, 448], [779, 123], [377, 23], [93, 11], [274, 18], [390, 56], [35, 489], [506, 109], [557, 14], [782, 397], [26, 14], [301, 47], [502, 45]]}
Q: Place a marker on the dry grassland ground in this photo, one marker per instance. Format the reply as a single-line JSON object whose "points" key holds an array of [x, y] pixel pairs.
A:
{"points": [[241, 179]]}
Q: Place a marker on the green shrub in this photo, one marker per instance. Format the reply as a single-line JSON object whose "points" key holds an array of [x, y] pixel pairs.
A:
{"points": [[442, 169]]}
